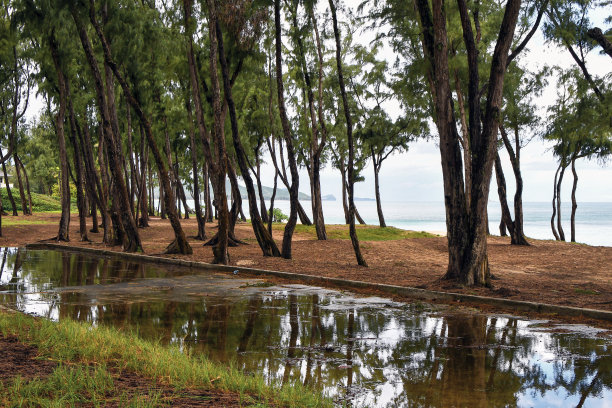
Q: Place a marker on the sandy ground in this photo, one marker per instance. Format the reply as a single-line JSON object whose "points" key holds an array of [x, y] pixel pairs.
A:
{"points": [[547, 271]]}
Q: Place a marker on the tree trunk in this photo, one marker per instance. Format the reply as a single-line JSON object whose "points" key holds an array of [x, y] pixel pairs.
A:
{"points": [[344, 190], [262, 200], [8, 189], [466, 227], [24, 203], [506, 219], [554, 205], [315, 152], [518, 238], [559, 182], [574, 203], [220, 250], [349, 133], [63, 232], [264, 238], [131, 242], [143, 221], [27, 183], [375, 165], [194, 167], [271, 214], [79, 169], [293, 190]]}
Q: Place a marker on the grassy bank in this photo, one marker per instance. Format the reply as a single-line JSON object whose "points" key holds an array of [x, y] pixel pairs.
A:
{"points": [[89, 358], [40, 202], [364, 232]]}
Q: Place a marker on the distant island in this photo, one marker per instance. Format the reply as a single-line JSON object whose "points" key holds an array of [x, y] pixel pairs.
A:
{"points": [[283, 194]]}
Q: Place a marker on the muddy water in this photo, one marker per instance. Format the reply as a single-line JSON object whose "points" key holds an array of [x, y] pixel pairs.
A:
{"points": [[360, 351]]}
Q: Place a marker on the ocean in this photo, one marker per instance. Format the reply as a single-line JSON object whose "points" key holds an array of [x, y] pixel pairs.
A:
{"points": [[593, 219]]}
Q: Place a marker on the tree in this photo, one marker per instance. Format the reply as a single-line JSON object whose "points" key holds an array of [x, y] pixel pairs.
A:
{"points": [[349, 132]]}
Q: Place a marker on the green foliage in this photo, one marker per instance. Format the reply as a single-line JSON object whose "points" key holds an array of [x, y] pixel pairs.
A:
{"points": [[279, 216]]}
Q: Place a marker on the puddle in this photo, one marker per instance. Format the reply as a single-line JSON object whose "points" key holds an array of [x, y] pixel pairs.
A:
{"points": [[361, 351]]}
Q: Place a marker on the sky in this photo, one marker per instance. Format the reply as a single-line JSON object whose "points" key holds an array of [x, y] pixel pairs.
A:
{"points": [[417, 174]]}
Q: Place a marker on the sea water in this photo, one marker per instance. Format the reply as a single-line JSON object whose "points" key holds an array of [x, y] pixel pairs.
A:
{"points": [[593, 220]]}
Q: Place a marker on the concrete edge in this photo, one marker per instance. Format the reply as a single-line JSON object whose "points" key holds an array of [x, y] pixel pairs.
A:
{"points": [[415, 293]]}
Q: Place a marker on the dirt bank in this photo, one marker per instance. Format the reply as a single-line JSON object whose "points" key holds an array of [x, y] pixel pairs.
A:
{"points": [[547, 271]]}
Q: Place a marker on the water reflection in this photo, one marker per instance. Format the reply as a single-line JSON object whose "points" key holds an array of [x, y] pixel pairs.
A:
{"points": [[367, 352]]}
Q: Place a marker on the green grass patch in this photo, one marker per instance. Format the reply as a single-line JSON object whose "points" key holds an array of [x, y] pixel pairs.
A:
{"points": [[84, 352], [40, 202], [364, 232], [17, 221], [582, 291]]}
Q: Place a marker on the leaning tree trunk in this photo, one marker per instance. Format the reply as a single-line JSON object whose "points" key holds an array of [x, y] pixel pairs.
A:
{"points": [[264, 238], [349, 133], [574, 203], [63, 232]]}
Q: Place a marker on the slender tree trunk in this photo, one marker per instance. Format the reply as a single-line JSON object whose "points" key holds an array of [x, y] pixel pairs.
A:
{"points": [[506, 220], [559, 182], [208, 214], [79, 169], [344, 192], [63, 232], [574, 203], [133, 175], [24, 203], [262, 200], [554, 205], [143, 221], [271, 214], [27, 183], [8, 189], [349, 132], [314, 152], [194, 167], [220, 250], [293, 190], [518, 238], [375, 165]]}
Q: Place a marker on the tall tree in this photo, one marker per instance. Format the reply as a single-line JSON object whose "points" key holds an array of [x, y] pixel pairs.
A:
{"points": [[349, 132]]}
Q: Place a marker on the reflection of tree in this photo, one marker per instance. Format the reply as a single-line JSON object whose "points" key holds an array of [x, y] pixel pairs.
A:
{"points": [[254, 303], [293, 336]]}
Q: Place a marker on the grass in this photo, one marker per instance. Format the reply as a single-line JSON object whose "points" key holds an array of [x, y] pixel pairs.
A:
{"points": [[85, 352], [17, 221], [582, 291], [40, 202], [364, 232]]}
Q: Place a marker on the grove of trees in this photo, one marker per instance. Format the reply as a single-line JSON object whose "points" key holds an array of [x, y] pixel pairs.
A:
{"points": [[148, 104]]}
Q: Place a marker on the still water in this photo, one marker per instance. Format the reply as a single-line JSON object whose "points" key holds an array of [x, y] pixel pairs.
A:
{"points": [[361, 351]]}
